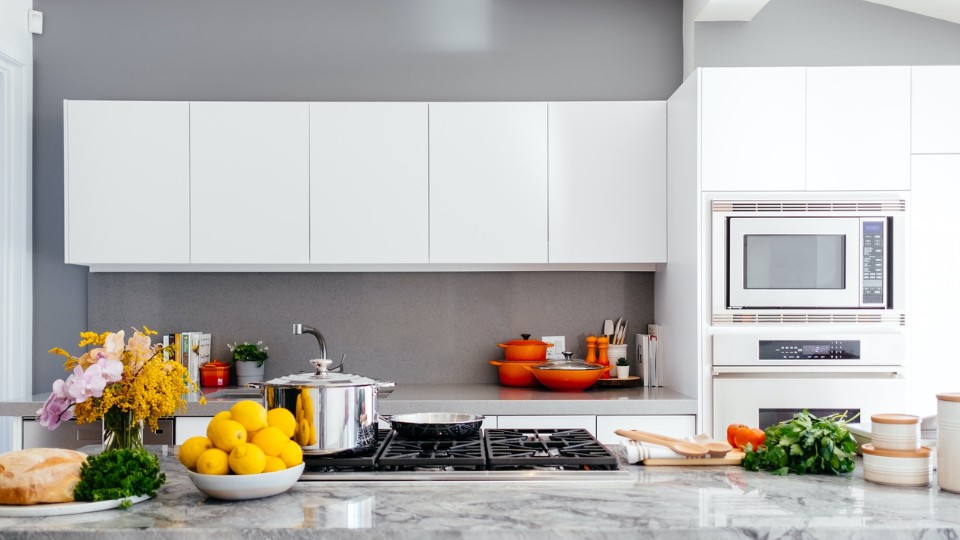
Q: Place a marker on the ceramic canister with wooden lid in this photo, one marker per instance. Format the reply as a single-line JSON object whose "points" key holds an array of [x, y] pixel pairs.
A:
{"points": [[895, 431], [948, 441]]}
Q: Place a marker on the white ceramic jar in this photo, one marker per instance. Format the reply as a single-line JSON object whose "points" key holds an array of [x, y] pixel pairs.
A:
{"points": [[948, 442], [895, 431], [897, 467]]}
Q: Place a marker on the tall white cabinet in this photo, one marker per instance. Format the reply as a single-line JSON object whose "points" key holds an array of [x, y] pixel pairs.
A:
{"points": [[488, 183], [368, 183], [608, 170], [126, 182], [249, 183], [936, 110]]}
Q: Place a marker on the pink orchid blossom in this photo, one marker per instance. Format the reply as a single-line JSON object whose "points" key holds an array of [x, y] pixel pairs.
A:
{"points": [[82, 385], [111, 369], [57, 408]]}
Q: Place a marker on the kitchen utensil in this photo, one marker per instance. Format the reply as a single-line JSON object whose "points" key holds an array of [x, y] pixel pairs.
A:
{"points": [[435, 426], [684, 448], [238, 487], [513, 374], [524, 350], [717, 449], [733, 458], [335, 412], [567, 375], [608, 328]]}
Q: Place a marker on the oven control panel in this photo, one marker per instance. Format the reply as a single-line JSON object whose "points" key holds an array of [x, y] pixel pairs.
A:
{"points": [[809, 350]]}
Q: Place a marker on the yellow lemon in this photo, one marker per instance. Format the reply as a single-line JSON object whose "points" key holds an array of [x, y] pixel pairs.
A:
{"points": [[303, 432], [292, 454], [283, 419], [222, 415], [191, 449], [249, 413], [247, 459], [227, 434], [213, 461], [274, 464], [271, 440]]}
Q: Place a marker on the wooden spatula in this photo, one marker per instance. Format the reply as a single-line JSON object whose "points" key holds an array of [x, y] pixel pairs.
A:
{"points": [[684, 448]]}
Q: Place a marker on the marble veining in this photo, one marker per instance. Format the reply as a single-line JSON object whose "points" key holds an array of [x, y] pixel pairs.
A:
{"points": [[662, 502]]}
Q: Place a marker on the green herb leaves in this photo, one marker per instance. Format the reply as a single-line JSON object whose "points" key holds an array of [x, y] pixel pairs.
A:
{"points": [[116, 474], [805, 444]]}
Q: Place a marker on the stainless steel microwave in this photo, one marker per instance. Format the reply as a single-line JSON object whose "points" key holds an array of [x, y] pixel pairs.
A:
{"points": [[808, 255]]}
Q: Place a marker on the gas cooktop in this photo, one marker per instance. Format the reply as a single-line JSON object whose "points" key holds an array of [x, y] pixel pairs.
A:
{"points": [[496, 454]]}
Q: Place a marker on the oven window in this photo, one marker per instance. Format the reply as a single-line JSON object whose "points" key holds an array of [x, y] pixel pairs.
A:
{"points": [[793, 261]]}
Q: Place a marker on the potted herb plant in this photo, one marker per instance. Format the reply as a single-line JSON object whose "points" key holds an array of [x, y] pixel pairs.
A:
{"points": [[623, 369], [248, 359]]}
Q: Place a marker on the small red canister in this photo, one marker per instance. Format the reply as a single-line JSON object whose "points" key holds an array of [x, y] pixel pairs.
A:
{"points": [[214, 373]]}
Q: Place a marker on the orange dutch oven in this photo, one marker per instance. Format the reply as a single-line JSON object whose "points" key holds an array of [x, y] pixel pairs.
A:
{"points": [[513, 374], [524, 350]]}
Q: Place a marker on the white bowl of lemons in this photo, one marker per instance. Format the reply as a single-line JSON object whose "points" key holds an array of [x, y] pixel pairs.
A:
{"points": [[248, 453]]}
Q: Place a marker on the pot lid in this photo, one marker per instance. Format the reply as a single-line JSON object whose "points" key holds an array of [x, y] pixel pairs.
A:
{"points": [[895, 419], [322, 378], [525, 341], [565, 365]]}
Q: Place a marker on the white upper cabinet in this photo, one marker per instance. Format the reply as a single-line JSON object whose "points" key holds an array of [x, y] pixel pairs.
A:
{"points": [[752, 129], [127, 182], [488, 183], [858, 128], [250, 182], [608, 181], [936, 110], [368, 183]]}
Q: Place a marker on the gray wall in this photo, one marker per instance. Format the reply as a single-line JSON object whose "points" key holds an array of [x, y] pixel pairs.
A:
{"points": [[329, 50], [828, 33]]}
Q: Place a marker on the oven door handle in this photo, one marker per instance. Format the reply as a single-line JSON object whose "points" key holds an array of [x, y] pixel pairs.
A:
{"points": [[786, 370]]}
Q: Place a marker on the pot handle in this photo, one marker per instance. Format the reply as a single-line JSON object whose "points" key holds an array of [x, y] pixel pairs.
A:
{"points": [[502, 345], [528, 368], [385, 388], [496, 363]]}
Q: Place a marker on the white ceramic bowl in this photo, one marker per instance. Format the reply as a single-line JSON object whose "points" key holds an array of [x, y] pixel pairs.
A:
{"points": [[897, 467], [895, 431], [238, 487]]}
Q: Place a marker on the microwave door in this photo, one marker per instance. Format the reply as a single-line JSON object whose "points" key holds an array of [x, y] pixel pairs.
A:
{"points": [[793, 262]]}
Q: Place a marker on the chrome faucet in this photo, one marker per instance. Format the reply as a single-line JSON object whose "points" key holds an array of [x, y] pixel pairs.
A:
{"points": [[299, 329]]}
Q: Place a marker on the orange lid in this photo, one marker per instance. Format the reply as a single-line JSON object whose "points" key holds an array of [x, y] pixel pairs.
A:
{"points": [[923, 452], [895, 419], [948, 397]]}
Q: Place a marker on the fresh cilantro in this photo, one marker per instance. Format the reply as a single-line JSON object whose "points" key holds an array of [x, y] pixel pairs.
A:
{"points": [[116, 474], [805, 444]]}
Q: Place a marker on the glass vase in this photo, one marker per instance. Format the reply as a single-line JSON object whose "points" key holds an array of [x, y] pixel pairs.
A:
{"points": [[120, 430]]}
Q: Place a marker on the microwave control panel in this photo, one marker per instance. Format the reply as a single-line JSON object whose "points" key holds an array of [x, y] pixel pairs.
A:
{"points": [[809, 350], [873, 261]]}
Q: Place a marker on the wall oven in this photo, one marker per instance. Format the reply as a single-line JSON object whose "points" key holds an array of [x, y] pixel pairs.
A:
{"points": [[808, 255]]}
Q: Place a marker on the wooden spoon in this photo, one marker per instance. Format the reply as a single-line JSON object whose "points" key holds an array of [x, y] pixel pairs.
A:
{"points": [[684, 448], [716, 448]]}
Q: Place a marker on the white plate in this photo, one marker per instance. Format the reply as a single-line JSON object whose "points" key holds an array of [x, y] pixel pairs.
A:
{"points": [[239, 487], [63, 509]]}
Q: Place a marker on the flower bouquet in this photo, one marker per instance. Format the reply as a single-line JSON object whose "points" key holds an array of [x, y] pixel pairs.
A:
{"points": [[123, 383]]}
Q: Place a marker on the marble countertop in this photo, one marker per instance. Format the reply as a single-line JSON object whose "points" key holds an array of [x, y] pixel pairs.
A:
{"points": [[660, 502], [485, 399]]}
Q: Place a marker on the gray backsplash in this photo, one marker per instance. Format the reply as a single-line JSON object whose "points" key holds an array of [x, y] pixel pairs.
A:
{"points": [[406, 327]]}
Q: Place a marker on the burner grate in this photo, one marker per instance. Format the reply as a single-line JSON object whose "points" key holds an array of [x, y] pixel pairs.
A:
{"points": [[574, 449], [350, 461], [401, 454]]}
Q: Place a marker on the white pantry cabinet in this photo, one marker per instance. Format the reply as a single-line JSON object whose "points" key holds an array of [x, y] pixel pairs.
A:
{"points": [[936, 110], [368, 183], [488, 183], [858, 128], [608, 181], [126, 182], [752, 129], [250, 182]]}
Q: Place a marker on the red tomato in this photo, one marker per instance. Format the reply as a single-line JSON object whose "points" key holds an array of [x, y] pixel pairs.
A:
{"points": [[732, 430], [739, 435]]}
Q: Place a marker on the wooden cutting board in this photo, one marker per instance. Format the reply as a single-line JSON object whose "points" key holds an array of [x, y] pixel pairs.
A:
{"points": [[734, 457]]}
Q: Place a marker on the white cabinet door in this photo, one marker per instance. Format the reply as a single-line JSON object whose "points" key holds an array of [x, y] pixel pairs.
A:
{"points": [[679, 426], [127, 182], [250, 182], [588, 423], [488, 183], [368, 183], [608, 180], [936, 110], [752, 129], [858, 128], [190, 426], [934, 289]]}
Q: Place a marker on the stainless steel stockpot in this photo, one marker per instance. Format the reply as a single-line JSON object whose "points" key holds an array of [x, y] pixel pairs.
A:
{"points": [[335, 412]]}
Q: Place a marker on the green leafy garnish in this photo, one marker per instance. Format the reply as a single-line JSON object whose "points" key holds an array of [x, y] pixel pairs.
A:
{"points": [[116, 474], [805, 444]]}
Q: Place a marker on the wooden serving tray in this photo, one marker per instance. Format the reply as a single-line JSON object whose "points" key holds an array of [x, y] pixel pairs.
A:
{"points": [[632, 380], [734, 457]]}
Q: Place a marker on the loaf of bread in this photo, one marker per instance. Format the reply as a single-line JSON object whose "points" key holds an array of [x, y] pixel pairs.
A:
{"points": [[39, 475]]}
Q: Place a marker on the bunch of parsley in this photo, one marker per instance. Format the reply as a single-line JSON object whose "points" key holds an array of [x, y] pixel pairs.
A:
{"points": [[116, 474], [805, 444]]}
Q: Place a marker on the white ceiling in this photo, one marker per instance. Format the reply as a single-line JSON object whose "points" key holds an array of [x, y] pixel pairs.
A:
{"points": [[744, 10]]}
